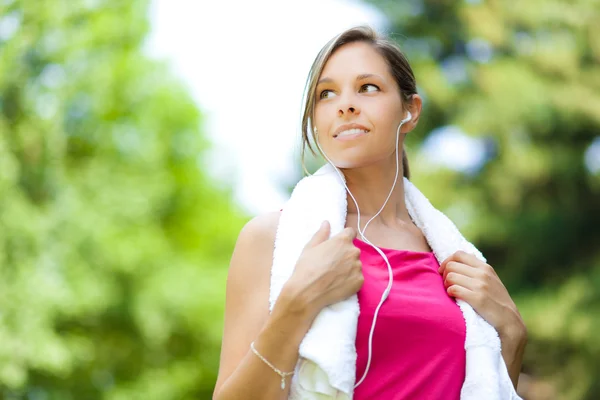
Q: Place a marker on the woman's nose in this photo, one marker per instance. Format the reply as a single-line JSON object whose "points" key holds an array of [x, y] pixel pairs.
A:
{"points": [[350, 110], [348, 107]]}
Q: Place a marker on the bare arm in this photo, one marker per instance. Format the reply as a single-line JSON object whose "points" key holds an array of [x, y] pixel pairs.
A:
{"points": [[513, 349], [277, 336], [328, 270]]}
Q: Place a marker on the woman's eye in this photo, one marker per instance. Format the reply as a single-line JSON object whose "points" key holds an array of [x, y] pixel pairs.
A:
{"points": [[323, 93], [371, 85]]}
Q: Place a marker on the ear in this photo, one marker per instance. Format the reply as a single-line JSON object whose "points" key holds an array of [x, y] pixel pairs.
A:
{"points": [[414, 107]]}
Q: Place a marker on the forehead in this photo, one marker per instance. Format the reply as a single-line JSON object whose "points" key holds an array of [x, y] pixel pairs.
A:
{"points": [[353, 59]]}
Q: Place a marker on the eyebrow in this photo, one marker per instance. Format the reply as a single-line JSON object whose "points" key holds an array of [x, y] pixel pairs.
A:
{"points": [[358, 78]]}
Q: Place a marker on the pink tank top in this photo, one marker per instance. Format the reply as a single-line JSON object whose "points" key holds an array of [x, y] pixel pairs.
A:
{"points": [[418, 343]]}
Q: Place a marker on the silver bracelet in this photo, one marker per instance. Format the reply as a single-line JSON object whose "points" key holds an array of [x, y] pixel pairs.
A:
{"points": [[283, 375]]}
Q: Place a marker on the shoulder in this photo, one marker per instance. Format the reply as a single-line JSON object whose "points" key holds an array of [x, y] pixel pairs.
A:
{"points": [[260, 229], [255, 242], [250, 267]]}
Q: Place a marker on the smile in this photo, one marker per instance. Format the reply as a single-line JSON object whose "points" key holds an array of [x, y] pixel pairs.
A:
{"points": [[350, 134]]}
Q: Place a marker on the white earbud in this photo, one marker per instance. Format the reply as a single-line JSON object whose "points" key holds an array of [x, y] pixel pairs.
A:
{"points": [[408, 117]]}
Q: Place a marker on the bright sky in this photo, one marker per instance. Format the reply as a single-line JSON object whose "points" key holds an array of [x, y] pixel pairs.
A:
{"points": [[245, 63]]}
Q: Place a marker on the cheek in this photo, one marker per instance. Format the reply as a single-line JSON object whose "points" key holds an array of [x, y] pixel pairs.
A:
{"points": [[323, 117], [384, 116]]}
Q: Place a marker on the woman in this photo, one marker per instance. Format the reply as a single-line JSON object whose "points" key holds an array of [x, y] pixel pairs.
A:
{"points": [[361, 101]]}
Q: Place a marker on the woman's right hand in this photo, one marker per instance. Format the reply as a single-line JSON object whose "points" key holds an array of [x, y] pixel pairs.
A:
{"points": [[328, 270]]}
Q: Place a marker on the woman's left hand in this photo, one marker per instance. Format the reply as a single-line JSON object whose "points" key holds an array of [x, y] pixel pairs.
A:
{"points": [[472, 280], [468, 278]]}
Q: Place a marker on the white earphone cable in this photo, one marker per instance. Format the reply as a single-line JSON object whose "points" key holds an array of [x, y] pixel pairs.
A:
{"points": [[366, 240]]}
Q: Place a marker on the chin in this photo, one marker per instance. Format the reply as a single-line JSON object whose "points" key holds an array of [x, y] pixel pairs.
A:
{"points": [[359, 157], [349, 161]]}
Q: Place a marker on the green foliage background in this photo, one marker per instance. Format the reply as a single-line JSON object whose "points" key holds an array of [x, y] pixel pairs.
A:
{"points": [[525, 78], [114, 242]]}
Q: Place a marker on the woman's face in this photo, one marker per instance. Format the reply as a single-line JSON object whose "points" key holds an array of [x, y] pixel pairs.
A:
{"points": [[356, 87]]}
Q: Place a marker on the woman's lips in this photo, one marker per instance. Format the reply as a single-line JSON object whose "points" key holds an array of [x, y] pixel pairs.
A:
{"points": [[351, 135]]}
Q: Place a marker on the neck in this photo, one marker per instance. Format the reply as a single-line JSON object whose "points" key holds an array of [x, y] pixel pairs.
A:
{"points": [[370, 186]]}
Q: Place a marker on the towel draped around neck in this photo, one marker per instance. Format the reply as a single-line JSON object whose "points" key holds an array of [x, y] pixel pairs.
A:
{"points": [[326, 367]]}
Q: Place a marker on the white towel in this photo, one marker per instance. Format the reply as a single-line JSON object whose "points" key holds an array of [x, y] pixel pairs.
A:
{"points": [[326, 366]]}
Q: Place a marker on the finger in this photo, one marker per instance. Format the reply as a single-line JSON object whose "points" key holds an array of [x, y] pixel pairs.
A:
{"points": [[351, 233], [466, 282], [462, 293], [321, 235], [460, 268], [470, 259], [348, 233], [465, 258]]}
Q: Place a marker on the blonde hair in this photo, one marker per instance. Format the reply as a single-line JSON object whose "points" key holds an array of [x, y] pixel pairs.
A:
{"points": [[390, 51]]}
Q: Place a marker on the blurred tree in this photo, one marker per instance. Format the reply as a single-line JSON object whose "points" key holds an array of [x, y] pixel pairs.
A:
{"points": [[113, 240], [523, 80]]}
